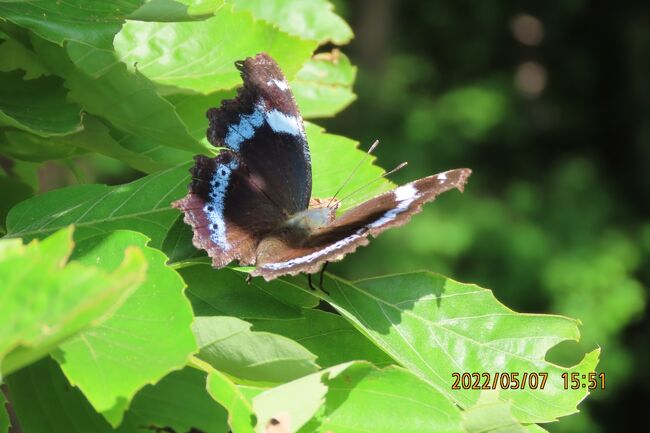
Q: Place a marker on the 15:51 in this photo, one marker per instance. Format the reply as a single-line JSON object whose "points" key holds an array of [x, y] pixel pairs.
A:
{"points": [[591, 380]]}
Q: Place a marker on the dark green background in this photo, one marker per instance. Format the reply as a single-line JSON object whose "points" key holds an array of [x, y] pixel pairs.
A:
{"points": [[555, 216]]}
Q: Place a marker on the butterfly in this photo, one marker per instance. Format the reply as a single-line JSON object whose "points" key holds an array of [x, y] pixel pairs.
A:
{"points": [[252, 202]]}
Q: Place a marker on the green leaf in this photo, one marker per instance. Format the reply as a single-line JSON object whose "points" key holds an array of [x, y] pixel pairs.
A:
{"points": [[323, 86], [178, 245], [180, 401], [185, 54], [97, 137], [150, 333], [192, 110], [129, 101], [38, 106], [327, 335], [435, 327], [4, 416], [91, 21], [240, 412], [340, 399], [309, 19], [334, 158], [45, 298], [44, 402], [491, 415], [173, 11], [224, 292], [143, 205], [15, 55], [281, 402], [399, 401], [228, 344]]}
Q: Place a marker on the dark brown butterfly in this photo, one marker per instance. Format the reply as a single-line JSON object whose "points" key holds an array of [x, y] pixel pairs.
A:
{"points": [[252, 203]]}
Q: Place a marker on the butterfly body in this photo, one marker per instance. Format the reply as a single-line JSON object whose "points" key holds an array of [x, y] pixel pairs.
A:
{"points": [[252, 202]]}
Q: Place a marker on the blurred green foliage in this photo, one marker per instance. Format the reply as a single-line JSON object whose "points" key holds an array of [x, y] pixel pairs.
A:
{"points": [[555, 217]]}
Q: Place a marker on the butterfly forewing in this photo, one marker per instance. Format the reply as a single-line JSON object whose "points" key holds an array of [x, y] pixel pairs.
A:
{"points": [[263, 125]]}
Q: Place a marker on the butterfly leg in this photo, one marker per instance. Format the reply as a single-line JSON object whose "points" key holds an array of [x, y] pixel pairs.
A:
{"points": [[320, 279], [311, 286], [249, 279]]}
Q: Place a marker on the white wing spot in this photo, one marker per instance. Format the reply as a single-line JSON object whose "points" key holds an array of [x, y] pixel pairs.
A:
{"points": [[442, 177], [404, 195], [280, 84], [280, 122]]}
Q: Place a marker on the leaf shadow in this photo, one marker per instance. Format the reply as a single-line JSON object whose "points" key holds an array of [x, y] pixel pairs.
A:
{"points": [[379, 303]]}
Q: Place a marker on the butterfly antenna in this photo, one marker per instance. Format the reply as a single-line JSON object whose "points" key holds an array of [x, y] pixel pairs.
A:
{"points": [[353, 172], [399, 167]]}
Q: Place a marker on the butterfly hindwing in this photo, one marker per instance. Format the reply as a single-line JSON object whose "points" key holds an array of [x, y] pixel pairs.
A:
{"points": [[351, 230], [227, 212]]}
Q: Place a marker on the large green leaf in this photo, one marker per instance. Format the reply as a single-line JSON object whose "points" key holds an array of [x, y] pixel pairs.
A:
{"points": [[435, 327], [240, 412], [224, 292], [357, 397], [491, 415], [192, 110], [44, 402], [147, 337], [280, 404], [228, 344], [97, 137], [200, 55], [179, 401], [334, 159], [45, 298], [91, 21], [309, 19], [142, 205], [38, 106], [327, 335], [128, 100], [323, 86]]}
